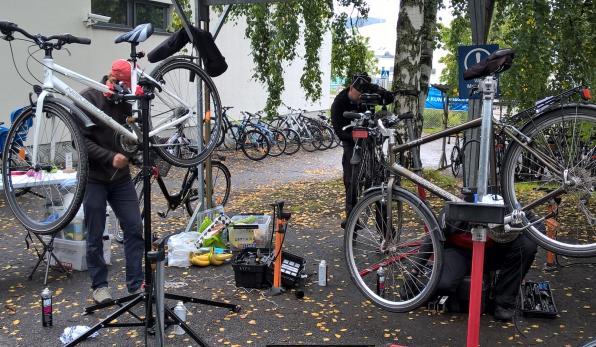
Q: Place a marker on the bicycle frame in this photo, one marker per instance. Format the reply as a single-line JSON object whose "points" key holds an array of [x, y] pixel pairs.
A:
{"points": [[51, 82]]}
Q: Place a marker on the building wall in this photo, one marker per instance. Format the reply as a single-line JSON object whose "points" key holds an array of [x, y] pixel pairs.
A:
{"points": [[66, 16]]}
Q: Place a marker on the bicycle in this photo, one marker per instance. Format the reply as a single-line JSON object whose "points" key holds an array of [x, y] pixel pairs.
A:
{"points": [[310, 135], [188, 195], [393, 228], [276, 138], [46, 152], [253, 143]]}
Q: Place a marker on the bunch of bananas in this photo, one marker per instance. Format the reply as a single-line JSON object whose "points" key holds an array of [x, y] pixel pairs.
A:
{"points": [[210, 258]]}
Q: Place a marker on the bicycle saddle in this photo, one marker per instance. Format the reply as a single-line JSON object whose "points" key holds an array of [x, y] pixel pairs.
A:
{"points": [[499, 61], [136, 35]]}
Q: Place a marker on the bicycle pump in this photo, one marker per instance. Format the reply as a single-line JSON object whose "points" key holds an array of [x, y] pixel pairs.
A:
{"points": [[280, 222]]}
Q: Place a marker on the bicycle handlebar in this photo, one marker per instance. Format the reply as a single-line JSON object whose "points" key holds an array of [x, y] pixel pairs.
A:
{"points": [[7, 28]]}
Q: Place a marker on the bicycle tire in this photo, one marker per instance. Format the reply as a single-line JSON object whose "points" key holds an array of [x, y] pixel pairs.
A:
{"points": [[45, 207], [292, 141], [310, 139], [566, 138], [255, 145], [231, 137], [278, 143], [221, 187], [456, 161], [183, 149], [327, 139], [414, 246]]}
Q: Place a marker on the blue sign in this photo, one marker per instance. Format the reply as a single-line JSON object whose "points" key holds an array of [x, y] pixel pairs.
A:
{"points": [[467, 56], [384, 73], [434, 100]]}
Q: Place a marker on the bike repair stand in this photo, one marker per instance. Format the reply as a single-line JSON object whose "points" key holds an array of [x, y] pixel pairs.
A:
{"points": [[280, 222], [153, 293], [46, 256], [481, 213]]}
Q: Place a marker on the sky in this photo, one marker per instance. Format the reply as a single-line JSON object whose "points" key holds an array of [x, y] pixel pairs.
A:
{"points": [[382, 35]]}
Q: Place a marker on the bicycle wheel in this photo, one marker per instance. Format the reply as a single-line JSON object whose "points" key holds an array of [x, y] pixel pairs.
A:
{"points": [[566, 139], [310, 139], [180, 81], [327, 138], [292, 141], [220, 188], [278, 143], [231, 136], [255, 145], [456, 161], [410, 251], [42, 196]]}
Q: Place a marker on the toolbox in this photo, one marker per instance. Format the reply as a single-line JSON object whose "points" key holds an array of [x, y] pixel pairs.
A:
{"points": [[250, 267], [537, 300], [292, 267]]}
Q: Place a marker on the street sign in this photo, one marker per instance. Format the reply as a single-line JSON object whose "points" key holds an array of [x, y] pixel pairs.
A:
{"points": [[384, 73], [467, 56]]}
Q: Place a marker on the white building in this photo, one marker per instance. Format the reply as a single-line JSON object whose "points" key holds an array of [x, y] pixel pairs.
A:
{"points": [[235, 86]]}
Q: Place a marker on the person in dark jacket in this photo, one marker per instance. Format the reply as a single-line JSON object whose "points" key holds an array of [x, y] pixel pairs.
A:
{"points": [[110, 181], [349, 100]]}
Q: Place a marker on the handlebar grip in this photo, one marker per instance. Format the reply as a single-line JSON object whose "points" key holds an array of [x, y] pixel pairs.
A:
{"points": [[68, 38], [352, 115], [7, 27]]}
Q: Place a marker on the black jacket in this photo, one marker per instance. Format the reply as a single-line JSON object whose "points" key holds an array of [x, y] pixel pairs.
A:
{"points": [[342, 103], [101, 139]]}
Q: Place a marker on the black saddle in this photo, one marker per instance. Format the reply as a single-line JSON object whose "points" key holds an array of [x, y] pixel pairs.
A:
{"points": [[136, 35], [497, 62]]}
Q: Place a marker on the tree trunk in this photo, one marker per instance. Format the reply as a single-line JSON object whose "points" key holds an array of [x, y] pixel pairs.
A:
{"points": [[413, 55]]}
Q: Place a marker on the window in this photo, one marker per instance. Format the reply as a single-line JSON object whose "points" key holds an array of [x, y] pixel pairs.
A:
{"points": [[130, 13]]}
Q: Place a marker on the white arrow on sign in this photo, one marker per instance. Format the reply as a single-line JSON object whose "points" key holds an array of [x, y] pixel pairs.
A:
{"points": [[478, 56]]}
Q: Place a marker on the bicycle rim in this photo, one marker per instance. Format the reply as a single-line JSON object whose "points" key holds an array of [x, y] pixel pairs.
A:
{"points": [[255, 145], [455, 161], [567, 138], [44, 198], [220, 188], [292, 141], [278, 143], [410, 252], [180, 81]]}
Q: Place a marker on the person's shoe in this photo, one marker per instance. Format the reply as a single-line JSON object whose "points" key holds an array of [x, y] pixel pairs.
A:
{"points": [[140, 289], [102, 295], [503, 313], [343, 223]]}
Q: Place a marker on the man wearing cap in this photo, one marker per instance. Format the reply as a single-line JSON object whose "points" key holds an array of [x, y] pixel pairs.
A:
{"points": [[349, 100], [110, 181]]}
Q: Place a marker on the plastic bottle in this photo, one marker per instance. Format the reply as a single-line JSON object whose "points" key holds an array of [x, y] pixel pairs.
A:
{"points": [[180, 311], [323, 273], [46, 308], [381, 282]]}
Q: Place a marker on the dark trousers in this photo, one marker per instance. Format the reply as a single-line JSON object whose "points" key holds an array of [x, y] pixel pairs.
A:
{"points": [[125, 204], [347, 176], [513, 259]]}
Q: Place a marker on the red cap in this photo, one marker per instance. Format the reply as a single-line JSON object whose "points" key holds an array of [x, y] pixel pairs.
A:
{"points": [[121, 71]]}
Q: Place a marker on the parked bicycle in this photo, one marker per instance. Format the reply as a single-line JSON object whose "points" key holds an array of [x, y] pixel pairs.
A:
{"points": [[253, 143], [45, 149], [546, 173]]}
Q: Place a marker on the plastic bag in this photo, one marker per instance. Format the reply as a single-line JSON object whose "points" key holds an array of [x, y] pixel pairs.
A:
{"points": [[71, 333], [179, 248]]}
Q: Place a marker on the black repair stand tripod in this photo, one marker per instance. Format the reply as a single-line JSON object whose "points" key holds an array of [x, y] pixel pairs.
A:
{"points": [[154, 293]]}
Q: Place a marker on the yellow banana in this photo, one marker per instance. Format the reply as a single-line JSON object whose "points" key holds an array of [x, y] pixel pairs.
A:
{"points": [[196, 260], [213, 260], [223, 256]]}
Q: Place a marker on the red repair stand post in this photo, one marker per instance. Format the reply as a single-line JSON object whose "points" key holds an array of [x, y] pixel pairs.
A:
{"points": [[479, 243]]}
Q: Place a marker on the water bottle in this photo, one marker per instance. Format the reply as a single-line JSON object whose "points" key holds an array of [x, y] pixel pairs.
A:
{"points": [[323, 273], [381, 282], [46, 308], [180, 311]]}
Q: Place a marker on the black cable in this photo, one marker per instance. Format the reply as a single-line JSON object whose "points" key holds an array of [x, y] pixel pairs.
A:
{"points": [[27, 62], [15, 64]]}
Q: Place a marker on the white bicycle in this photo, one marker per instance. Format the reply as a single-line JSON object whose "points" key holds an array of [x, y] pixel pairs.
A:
{"points": [[44, 164]]}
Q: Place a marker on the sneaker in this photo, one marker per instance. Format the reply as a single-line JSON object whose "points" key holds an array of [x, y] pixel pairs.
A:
{"points": [[140, 289], [102, 295], [343, 223], [503, 313]]}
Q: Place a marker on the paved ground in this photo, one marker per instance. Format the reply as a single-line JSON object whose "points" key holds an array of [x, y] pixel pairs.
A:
{"points": [[336, 314]]}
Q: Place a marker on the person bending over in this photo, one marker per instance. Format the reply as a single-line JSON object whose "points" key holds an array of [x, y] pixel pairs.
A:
{"points": [[110, 181], [349, 100]]}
